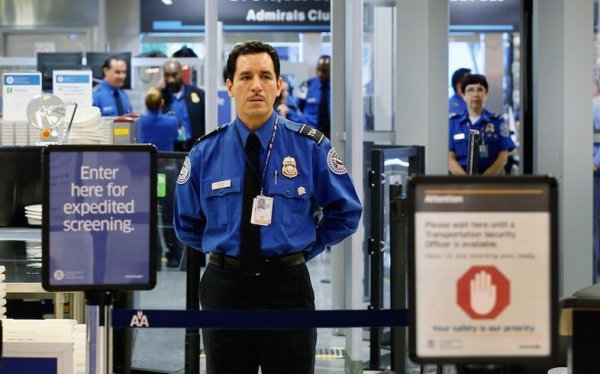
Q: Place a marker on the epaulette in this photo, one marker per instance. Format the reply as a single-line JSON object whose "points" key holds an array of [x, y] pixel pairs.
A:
{"points": [[497, 115], [453, 115], [312, 133], [206, 136]]}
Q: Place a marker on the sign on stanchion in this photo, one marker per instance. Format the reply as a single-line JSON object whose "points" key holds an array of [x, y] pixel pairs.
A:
{"points": [[99, 228], [483, 269]]}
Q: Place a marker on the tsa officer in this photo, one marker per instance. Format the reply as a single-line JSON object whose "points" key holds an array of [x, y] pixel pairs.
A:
{"points": [[185, 102], [494, 133], [246, 195], [456, 104], [108, 95], [314, 100]]}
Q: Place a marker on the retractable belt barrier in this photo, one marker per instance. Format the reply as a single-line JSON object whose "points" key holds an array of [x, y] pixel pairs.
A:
{"points": [[257, 319]]}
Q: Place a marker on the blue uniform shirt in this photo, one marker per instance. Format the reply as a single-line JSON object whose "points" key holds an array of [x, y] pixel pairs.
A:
{"points": [[308, 101], [301, 175], [104, 98], [495, 137], [158, 129], [179, 109], [456, 104]]}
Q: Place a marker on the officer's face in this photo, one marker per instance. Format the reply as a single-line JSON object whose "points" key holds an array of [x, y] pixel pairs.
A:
{"points": [[172, 74], [475, 96], [116, 74], [323, 69], [254, 88]]}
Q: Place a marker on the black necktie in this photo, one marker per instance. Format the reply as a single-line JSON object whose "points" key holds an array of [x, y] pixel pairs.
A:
{"points": [[120, 110], [250, 234], [324, 120]]}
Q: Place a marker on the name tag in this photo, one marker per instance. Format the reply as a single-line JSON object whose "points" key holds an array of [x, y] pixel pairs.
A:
{"points": [[221, 184], [312, 100], [460, 136]]}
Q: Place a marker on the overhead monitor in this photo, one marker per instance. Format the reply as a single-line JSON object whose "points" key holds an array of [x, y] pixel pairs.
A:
{"points": [[48, 62], [483, 269], [95, 61]]}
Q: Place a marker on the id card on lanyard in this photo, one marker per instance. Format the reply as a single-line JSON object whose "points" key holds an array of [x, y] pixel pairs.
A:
{"points": [[262, 206]]}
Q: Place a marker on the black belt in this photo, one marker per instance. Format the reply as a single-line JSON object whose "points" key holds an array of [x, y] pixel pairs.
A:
{"points": [[270, 264]]}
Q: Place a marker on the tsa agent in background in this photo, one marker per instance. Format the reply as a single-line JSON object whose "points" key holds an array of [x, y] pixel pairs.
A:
{"points": [[494, 133], [314, 99], [108, 95], [184, 101], [247, 195]]}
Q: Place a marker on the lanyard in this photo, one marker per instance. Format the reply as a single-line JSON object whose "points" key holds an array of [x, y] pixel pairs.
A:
{"points": [[267, 158]]}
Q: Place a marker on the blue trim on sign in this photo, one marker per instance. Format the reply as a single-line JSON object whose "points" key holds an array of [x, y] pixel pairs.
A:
{"points": [[258, 319], [175, 25], [276, 28], [481, 28], [22, 79], [72, 78]]}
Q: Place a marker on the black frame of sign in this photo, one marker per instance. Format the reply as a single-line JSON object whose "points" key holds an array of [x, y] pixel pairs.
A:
{"points": [[502, 183], [152, 219]]}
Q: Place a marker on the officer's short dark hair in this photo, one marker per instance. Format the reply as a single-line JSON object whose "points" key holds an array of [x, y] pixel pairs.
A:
{"points": [[325, 58], [458, 76], [108, 62], [251, 47], [473, 79]]}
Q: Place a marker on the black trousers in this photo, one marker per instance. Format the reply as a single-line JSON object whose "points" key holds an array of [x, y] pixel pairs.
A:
{"points": [[243, 351]]}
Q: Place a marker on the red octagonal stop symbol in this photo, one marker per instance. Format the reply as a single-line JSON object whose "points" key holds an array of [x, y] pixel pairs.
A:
{"points": [[483, 292]]}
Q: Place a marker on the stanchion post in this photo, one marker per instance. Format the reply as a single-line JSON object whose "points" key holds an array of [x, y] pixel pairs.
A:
{"points": [[473, 155], [98, 345], [192, 336], [398, 269]]}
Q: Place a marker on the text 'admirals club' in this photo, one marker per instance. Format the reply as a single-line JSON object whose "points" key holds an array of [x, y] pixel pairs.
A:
{"points": [[313, 15]]}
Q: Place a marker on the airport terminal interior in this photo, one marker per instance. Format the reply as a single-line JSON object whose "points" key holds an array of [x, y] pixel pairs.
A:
{"points": [[530, 234]]}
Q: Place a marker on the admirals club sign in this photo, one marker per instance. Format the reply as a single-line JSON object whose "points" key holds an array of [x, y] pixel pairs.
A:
{"points": [[237, 15]]}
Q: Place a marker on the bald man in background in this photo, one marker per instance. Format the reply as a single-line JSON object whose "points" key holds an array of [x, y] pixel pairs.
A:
{"points": [[184, 101]]}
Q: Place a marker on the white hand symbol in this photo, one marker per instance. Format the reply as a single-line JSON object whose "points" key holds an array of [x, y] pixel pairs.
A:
{"points": [[483, 293]]}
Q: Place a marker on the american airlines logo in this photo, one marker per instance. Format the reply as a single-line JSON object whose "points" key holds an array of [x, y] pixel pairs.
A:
{"points": [[139, 320], [444, 199]]}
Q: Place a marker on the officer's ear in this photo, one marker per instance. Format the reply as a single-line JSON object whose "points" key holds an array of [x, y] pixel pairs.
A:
{"points": [[229, 85], [279, 86]]}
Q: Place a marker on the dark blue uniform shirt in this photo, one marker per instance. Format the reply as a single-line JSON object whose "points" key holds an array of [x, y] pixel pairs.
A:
{"points": [[179, 109], [104, 98], [209, 193], [495, 137], [308, 101], [456, 104], [158, 129]]}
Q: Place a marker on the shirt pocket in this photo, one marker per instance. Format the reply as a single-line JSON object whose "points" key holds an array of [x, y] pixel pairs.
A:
{"points": [[461, 147], [291, 202], [223, 199]]}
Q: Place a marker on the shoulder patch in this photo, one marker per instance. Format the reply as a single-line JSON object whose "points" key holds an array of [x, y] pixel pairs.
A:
{"points": [[453, 115], [312, 133], [184, 173], [335, 162]]}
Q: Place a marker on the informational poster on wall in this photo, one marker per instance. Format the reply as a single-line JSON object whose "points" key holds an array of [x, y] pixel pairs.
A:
{"points": [[99, 217], [483, 269], [17, 90]]}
